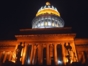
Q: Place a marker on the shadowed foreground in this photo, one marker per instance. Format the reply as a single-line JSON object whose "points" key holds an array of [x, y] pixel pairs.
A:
{"points": [[8, 63]]}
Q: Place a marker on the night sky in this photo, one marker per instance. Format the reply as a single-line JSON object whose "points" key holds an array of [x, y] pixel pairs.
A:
{"points": [[15, 15]]}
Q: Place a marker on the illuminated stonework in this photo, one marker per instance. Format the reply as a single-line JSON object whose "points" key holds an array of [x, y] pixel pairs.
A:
{"points": [[51, 46], [48, 9], [47, 17]]}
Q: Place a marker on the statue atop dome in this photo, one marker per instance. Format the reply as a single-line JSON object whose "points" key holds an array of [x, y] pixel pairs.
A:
{"points": [[47, 3]]}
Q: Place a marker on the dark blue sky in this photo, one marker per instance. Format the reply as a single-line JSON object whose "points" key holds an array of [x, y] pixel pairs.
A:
{"points": [[19, 14]]}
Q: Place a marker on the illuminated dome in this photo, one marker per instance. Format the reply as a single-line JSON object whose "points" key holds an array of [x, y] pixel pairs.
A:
{"points": [[48, 9], [47, 17]]}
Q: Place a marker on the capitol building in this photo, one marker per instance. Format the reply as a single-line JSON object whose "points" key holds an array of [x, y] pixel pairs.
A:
{"points": [[48, 42]]}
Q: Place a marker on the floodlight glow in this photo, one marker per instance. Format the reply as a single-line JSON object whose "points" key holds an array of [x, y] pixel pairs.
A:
{"points": [[59, 62], [28, 61]]}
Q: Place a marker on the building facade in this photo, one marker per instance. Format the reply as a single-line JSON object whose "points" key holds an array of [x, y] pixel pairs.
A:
{"points": [[48, 42]]}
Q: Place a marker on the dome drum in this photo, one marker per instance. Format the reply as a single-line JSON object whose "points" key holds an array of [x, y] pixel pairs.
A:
{"points": [[47, 21]]}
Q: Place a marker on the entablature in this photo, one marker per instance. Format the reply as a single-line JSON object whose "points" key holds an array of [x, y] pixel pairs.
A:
{"points": [[81, 41], [46, 37]]}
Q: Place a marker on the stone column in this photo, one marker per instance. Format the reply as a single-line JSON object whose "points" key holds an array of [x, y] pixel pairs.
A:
{"points": [[32, 60], [55, 54], [31, 57], [24, 54], [4, 58], [0, 59], [40, 54], [63, 52], [74, 50], [0, 56], [48, 58], [10, 58], [14, 54], [34, 52]]}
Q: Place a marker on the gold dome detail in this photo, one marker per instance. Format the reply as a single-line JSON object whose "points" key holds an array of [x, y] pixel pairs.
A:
{"points": [[48, 10]]}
